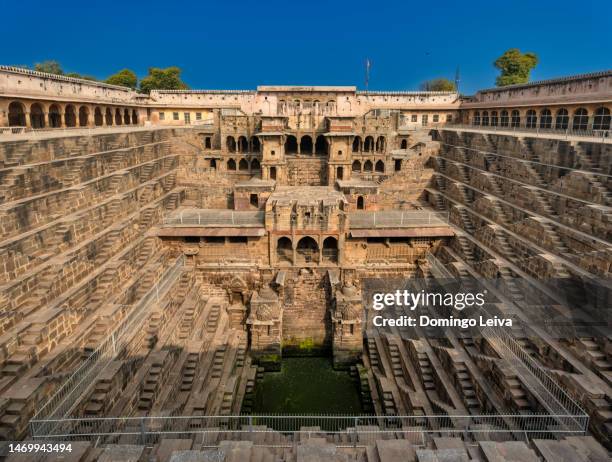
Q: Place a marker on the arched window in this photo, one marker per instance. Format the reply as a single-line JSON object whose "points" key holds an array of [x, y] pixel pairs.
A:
{"points": [[531, 119], [284, 250], [330, 250], [98, 119], [368, 145], [515, 120], [360, 203], [380, 166], [404, 144], [307, 250], [602, 119], [243, 165], [581, 119], [367, 166], [83, 116], [494, 119], [70, 116], [545, 118], [117, 116], [16, 115], [55, 118], [321, 145], [255, 166], [134, 117], [562, 119], [230, 144], [108, 116], [255, 144], [356, 167], [485, 118], [357, 144], [126, 116], [306, 145], [339, 173], [243, 145], [503, 120], [37, 116], [380, 144], [291, 145], [231, 164], [476, 118]]}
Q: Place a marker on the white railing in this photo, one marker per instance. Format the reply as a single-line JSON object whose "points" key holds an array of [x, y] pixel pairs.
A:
{"points": [[67, 397], [397, 219], [344, 430], [216, 218]]}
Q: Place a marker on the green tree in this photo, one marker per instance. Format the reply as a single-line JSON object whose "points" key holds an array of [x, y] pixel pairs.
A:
{"points": [[515, 67], [163, 79], [440, 84], [50, 67], [124, 78]]}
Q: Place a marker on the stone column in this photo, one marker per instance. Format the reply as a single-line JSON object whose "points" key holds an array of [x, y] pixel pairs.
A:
{"points": [[91, 121], [46, 119], [28, 122]]}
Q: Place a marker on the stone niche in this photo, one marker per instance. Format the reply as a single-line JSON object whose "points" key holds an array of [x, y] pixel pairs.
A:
{"points": [[265, 324], [347, 318]]}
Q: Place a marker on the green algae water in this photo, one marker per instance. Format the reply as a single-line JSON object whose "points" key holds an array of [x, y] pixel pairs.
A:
{"points": [[307, 385]]}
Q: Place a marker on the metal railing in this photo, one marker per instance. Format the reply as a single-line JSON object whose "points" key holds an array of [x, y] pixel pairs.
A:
{"points": [[539, 382], [284, 430], [605, 136], [67, 397], [397, 219], [219, 217]]}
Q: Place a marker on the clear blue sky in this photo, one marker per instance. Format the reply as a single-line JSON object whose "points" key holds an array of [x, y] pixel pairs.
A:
{"points": [[239, 44]]}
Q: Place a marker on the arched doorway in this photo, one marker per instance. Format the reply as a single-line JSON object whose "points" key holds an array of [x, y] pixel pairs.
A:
{"points": [[357, 144], [243, 144], [360, 203], [231, 164], [380, 144], [273, 173], [117, 116], [368, 145], [340, 173], [545, 118], [108, 116], [213, 164], [562, 119], [356, 167], [330, 250], [581, 119], [367, 166], [321, 145], [380, 166], [255, 166], [55, 117], [83, 116], [98, 119], [255, 145], [404, 144], [602, 119], [307, 250], [37, 116], [306, 145], [243, 165], [126, 116], [134, 117], [230, 144], [16, 115], [70, 116], [291, 145], [284, 250]]}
